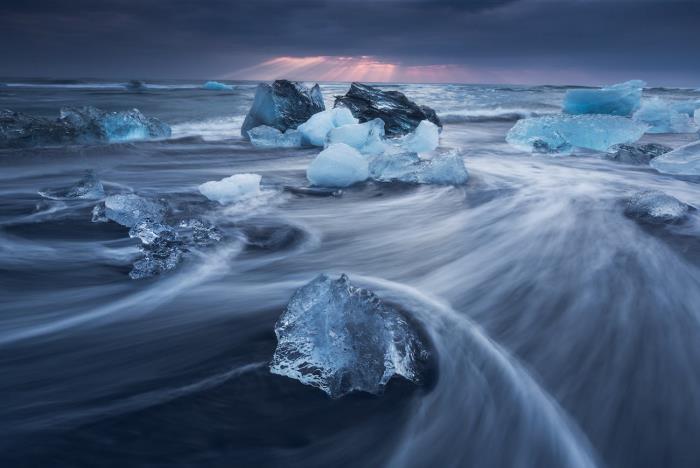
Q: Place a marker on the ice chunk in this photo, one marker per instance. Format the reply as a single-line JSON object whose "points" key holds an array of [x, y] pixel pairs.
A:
{"points": [[400, 115], [340, 339], [424, 138], [269, 137], [365, 137], [619, 99], [442, 169], [114, 126], [656, 208], [664, 117], [282, 105], [130, 209], [232, 189], [315, 130], [148, 231], [216, 86], [87, 188], [681, 161], [339, 165], [163, 254], [560, 133], [637, 153], [199, 233]]}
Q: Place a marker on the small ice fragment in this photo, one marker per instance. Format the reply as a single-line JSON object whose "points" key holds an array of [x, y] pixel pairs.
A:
{"points": [[161, 255], [424, 138], [340, 338], [559, 133], [637, 153], [619, 99], [664, 117], [315, 129], [656, 208], [269, 137], [217, 86], [200, 233], [366, 137], [87, 188], [681, 161], [130, 209], [232, 189], [339, 165]]}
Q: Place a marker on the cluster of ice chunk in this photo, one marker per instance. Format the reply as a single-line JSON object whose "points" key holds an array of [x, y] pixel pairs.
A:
{"points": [[368, 137], [620, 99], [681, 161], [665, 117], [232, 189], [562, 133], [656, 207], [340, 339], [217, 86]]}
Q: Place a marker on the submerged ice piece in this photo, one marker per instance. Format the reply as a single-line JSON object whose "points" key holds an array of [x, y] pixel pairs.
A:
{"points": [[561, 133], [340, 339], [87, 188], [442, 169], [269, 137], [339, 165], [681, 161], [216, 86], [619, 99], [367, 138], [114, 126], [282, 105], [656, 208], [664, 117], [315, 130], [130, 210], [232, 189], [400, 115], [637, 153]]}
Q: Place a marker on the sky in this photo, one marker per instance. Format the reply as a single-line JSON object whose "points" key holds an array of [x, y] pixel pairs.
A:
{"points": [[470, 41]]}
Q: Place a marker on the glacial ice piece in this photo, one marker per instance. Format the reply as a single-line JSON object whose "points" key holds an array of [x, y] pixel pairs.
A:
{"points": [[560, 133], [283, 105], [339, 165], [687, 107], [217, 86], [619, 99], [637, 153], [443, 169], [367, 138], [426, 137], [656, 207], [400, 115], [681, 161], [199, 233], [269, 137], [87, 188], [114, 126], [148, 232], [232, 189], [315, 130], [340, 339], [664, 117], [130, 210], [163, 254]]}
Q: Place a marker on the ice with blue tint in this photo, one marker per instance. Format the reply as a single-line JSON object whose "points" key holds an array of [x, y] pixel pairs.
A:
{"points": [[217, 86], [560, 133], [130, 210], [424, 138], [87, 188], [442, 169], [687, 107], [368, 137], [339, 165], [163, 253], [317, 127], [619, 99], [681, 161], [269, 137], [656, 207], [147, 231], [340, 338], [93, 123], [665, 117], [238, 187]]}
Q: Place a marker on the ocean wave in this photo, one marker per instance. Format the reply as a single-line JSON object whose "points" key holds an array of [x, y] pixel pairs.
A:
{"points": [[498, 114], [222, 128]]}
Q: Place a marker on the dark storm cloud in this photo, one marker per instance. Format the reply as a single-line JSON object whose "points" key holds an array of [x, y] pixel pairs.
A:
{"points": [[656, 40]]}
